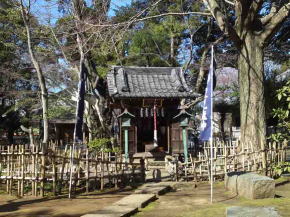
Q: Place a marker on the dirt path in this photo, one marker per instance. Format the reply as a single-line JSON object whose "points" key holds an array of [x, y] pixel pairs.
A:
{"points": [[187, 201], [61, 207]]}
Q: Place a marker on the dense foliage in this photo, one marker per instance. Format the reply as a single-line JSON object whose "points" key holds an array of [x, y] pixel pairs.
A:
{"points": [[282, 113]]}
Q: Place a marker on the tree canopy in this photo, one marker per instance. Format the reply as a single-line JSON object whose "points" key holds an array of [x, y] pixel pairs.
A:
{"points": [[88, 37]]}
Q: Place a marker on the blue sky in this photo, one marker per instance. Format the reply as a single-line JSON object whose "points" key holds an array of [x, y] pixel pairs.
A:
{"points": [[117, 3], [48, 10]]}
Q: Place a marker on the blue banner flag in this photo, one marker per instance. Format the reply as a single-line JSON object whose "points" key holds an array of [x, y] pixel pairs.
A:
{"points": [[206, 127], [78, 131]]}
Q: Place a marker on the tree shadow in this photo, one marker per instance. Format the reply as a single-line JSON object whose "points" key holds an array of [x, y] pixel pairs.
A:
{"points": [[227, 199], [42, 213], [14, 205], [282, 183]]}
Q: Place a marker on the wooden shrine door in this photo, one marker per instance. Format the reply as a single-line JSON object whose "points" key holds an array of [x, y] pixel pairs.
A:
{"points": [[176, 139]]}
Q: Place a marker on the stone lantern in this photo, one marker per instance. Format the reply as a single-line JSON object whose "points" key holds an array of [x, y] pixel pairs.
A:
{"points": [[184, 117], [126, 118]]}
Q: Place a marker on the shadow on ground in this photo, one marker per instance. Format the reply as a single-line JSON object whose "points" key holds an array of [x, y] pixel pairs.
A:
{"points": [[11, 206]]}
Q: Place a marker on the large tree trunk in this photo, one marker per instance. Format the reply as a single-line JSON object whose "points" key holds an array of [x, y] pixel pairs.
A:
{"points": [[40, 76], [251, 79]]}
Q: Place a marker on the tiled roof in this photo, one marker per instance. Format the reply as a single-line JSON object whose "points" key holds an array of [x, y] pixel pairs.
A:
{"points": [[148, 82]]}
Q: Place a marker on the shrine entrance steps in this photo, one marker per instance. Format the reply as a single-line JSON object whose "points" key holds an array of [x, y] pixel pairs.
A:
{"points": [[154, 165]]}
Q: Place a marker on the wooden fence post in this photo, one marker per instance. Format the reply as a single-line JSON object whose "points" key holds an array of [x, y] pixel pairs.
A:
{"points": [[42, 183], [102, 171], [142, 165], [54, 175], [87, 171]]}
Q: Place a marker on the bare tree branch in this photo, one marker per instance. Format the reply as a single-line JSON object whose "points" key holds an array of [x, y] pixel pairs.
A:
{"points": [[222, 20], [194, 102], [147, 18], [191, 47], [202, 63], [274, 22], [59, 44], [229, 2], [273, 11]]}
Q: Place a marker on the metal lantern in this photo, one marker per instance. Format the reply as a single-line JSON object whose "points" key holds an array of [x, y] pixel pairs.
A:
{"points": [[126, 118], [126, 123], [183, 117]]}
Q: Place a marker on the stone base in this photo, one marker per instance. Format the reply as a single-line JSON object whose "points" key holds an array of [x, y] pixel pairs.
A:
{"points": [[237, 211], [250, 185]]}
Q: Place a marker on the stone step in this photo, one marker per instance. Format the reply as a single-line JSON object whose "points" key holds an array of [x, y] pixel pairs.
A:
{"points": [[154, 188], [127, 206], [114, 211], [137, 200], [155, 167], [156, 163], [130, 204]]}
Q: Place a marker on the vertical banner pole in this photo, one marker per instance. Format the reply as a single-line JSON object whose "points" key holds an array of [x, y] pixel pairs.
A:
{"points": [[211, 128], [206, 133], [126, 145], [211, 170]]}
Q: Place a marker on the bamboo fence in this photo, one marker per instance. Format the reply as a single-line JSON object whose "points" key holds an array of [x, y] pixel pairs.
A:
{"points": [[26, 169], [230, 157]]}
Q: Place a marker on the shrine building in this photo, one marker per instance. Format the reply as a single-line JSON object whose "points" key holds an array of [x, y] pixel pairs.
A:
{"points": [[148, 100]]}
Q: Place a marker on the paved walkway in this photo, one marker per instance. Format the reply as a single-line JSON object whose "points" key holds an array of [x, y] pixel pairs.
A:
{"points": [[129, 205]]}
